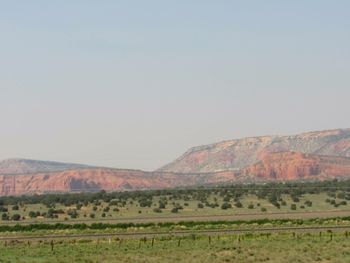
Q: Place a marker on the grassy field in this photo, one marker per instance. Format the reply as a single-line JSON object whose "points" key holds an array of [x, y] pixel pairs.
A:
{"points": [[251, 204], [264, 223], [282, 247]]}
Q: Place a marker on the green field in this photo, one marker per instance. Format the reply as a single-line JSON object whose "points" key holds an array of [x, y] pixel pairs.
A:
{"points": [[163, 206], [190, 208], [302, 222], [233, 248]]}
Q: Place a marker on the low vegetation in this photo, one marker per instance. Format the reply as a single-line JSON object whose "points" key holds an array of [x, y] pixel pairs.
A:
{"points": [[275, 247], [221, 200], [76, 216]]}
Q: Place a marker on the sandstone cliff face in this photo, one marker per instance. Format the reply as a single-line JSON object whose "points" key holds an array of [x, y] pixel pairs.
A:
{"points": [[309, 156], [238, 154], [96, 179], [287, 166]]}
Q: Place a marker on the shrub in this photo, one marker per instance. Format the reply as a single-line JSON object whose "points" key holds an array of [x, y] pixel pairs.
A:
{"points": [[144, 203], [16, 217], [157, 210], [200, 205], [295, 199], [175, 210], [238, 204], [5, 216], [32, 214], [308, 203], [113, 202], [250, 206], [72, 213], [15, 207], [263, 209], [226, 206], [3, 209], [276, 204], [293, 207]]}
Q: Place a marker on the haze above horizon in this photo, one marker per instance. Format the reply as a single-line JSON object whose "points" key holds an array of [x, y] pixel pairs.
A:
{"points": [[134, 85]]}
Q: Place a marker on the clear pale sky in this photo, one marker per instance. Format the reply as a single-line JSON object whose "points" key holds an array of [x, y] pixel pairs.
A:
{"points": [[134, 84]]}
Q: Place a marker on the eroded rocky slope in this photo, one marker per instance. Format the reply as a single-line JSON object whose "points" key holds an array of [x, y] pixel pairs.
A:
{"points": [[309, 156], [96, 179], [241, 153]]}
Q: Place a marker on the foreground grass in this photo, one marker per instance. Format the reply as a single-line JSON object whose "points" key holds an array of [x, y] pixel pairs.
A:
{"points": [[285, 247]]}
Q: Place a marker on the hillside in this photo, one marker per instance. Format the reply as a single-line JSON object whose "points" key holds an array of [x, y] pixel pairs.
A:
{"points": [[96, 179], [25, 166], [288, 166], [241, 153], [309, 156]]}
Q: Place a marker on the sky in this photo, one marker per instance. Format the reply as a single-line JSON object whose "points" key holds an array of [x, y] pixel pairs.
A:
{"points": [[134, 84]]}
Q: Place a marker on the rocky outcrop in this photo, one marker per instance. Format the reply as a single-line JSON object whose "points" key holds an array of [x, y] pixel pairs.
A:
{"points": [[287, 166], [309, 156], [238, 154], [96, 179]]}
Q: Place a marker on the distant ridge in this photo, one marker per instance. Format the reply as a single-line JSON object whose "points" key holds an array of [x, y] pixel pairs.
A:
{"points": [[240, 153], [313, 156], [26, 166]]}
